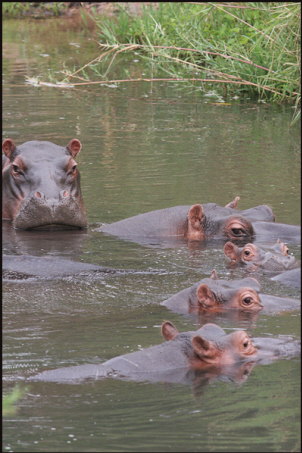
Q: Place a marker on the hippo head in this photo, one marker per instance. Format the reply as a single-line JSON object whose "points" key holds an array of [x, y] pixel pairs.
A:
{"points": [[41, 185], [216, 295], [255, 257], [233, 227], [211, 346]]}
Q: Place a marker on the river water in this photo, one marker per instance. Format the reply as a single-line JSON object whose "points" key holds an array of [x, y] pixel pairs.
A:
{"points": [[146, 146]]}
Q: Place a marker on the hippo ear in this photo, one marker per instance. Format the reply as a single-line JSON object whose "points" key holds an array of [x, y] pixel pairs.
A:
{"points": [[205, 296], [233, 204], [8, 147], [231, 251], [282, 247], [168, 330], [74, 147], [205, 349], [214, 275], [195, 215]]}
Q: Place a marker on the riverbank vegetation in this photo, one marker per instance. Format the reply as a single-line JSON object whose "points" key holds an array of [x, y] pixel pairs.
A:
{"points": [[10, 400], [240, 49]]}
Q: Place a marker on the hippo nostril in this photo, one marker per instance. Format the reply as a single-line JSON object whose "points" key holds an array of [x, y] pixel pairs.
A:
{"points": [[39, 194], [64, 194]]}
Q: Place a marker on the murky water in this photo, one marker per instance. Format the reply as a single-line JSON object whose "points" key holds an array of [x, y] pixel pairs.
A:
{"points": [[145, 146]]}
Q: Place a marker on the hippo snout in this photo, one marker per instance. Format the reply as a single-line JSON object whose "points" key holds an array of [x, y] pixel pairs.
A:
{"points": [[273, 348], [40, 211]]}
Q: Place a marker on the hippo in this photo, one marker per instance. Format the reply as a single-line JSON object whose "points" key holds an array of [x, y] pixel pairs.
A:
{"points": [[265, 232], [289, 278], [181, 354], [29, 267], [196, 222], [41, 185], [23, 267], [213, 295], [253, 257]]}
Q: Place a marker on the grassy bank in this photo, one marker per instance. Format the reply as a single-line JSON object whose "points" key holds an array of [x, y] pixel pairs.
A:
{"points": [[39, 10], [232, 49], [248, 47]]}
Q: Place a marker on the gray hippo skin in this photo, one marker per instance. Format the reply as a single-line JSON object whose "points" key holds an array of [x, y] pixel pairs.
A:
{"points": [[41, 185], [289, 278], [23, 267], [179, 355], [213, 295], [253, 257], [196, 222], [272, 231]]}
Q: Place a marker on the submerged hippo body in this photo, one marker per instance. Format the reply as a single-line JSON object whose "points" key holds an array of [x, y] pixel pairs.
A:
{"points": [[213, 295], [196, 222], [180, 355], [253, 257], [41, 185], [22, 267], [289, 278], [272, 231]]}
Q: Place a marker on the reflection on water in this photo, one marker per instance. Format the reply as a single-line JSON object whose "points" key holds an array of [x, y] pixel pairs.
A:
{"points": [[145, 147]]}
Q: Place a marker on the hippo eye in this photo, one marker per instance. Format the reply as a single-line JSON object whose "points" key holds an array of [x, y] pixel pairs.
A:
{"points": [[238, 231], [247, 252], [247, 300], [73, 169], [17, 170], [245, 344]]}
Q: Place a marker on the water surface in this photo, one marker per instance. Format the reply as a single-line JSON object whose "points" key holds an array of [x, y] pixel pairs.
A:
{"points": [[145, 146]]}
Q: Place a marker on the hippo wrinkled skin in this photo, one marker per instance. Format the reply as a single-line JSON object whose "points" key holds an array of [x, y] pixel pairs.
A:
{"points": [[41, 185], [179, 355], [196, 222], [253, 257], [214, 295]]}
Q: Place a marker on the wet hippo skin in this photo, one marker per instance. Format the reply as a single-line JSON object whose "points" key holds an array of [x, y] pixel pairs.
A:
{"points": [[195, 222], [215, 295], [254, 257], [41, 185], [180, 354]]}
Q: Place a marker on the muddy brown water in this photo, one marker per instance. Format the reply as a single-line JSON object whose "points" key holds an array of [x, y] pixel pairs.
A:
{"points": [[145, 146]]}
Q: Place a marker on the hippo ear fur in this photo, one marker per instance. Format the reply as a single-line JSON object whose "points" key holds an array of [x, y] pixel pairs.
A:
{"points": [[205, 295], [282, 247], [205, 349], [195, 215], [230, 250], [8, 147], [214, 275], [74, 147], [168, 330]]}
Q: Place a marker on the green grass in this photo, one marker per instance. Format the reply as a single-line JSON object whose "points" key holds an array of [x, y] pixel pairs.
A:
{"points": [[20, 9], [9, 401], [252, 47]]}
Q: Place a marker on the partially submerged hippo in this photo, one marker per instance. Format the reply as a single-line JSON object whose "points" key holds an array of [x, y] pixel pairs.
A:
{"points": [[275, 258], [175, 359], [22, 267], [196, 222], [272, 231], [289, 278], [213, 295], [41, 185], [28, 267]]}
